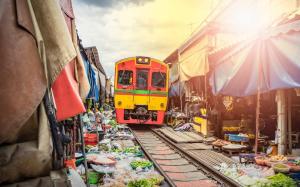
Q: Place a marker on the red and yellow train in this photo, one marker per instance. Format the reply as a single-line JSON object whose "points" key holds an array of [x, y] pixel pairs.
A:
{"points": [[141, 90]]}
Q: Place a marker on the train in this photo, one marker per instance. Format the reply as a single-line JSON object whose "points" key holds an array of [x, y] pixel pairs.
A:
{"points": [[141, 90]]}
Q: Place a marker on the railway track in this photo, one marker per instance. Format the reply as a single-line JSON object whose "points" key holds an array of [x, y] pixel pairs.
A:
{"points": [[180, 166]]}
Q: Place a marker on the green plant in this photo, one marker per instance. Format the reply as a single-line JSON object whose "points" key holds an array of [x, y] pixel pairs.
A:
{"points": [[281, 180]]}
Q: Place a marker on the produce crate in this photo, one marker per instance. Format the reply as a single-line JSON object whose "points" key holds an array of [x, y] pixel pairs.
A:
{"points": [[90, 138]]}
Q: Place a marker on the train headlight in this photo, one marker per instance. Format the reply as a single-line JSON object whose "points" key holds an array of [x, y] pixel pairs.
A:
{"points": [[143, 60], [119, 103], [162, 105]]}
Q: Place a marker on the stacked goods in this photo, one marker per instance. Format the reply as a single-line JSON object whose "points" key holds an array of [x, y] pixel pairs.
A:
{"points": [[220, 143], [257, 176], [276, 159], [119, 162], [269, 161], [90, 138]]}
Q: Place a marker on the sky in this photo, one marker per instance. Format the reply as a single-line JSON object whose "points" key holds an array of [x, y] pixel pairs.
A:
{"points": [[125, 28]]}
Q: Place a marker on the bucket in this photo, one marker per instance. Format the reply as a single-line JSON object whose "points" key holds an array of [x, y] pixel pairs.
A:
{"points": [[93, 177]]}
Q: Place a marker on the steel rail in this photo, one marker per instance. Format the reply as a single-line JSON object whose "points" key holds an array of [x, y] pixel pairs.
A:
{"points": [[166, 177], [207, 169]]}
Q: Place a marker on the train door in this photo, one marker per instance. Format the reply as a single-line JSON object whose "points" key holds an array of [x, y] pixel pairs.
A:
{"points": [[141, 96]]}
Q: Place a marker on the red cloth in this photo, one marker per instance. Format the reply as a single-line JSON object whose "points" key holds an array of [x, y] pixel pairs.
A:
{"points": [[65, 88], [66, 95]]}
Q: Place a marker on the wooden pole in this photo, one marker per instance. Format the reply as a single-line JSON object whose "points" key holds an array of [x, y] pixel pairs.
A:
{"points": [[281, 122], [289, 110], [83, 150], [257, 121]]}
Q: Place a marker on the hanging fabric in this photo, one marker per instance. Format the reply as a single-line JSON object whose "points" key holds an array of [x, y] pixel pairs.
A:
{"points": [[66, 88]]}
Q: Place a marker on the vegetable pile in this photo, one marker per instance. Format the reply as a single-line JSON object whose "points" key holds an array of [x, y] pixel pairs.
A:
{"points": [[146, 182], [256, 176], [113, 123], [134, 149], [280, 180], [140, 183], [141, 163]]}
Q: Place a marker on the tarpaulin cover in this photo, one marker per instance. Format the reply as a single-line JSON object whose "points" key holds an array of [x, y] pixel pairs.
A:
{"points": [[193, 60], [102, 86], [269, 62], [174, 74], [97, 80], [66, 88], [177, 89], [94, 90]]}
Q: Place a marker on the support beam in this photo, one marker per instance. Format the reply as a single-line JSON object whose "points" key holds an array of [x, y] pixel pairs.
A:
{"points": [[289, 111], [281, 121]]}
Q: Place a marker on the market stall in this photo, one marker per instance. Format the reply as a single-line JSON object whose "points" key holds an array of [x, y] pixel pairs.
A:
{"points": [[114, 159], [263, 66]]}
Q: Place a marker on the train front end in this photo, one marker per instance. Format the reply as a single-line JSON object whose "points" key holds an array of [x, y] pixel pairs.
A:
{"points": [[141, 90]]}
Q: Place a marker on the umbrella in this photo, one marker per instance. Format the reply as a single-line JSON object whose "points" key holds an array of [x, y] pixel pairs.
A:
{"points": [[270, 61]]}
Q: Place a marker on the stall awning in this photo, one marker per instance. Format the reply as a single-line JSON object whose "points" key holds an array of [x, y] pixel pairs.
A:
{"points": [[174, 76], [268, 62], [193, 60], [92, 75], [177, 89]]}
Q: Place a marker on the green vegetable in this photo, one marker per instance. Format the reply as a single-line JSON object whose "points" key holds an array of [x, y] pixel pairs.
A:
{"points": [[116, 150], [156, 179], [113, 123], [103, 147], [140, 183], [281, 180], [134, 149], [141, 163]]}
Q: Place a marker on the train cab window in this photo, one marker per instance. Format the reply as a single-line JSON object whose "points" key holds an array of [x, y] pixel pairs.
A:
{"points": [[142, 79], [158, 79], [125, 77]]}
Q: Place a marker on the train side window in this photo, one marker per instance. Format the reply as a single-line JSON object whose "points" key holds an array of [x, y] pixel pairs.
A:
{"points": [[159, 79], [125, 77]]}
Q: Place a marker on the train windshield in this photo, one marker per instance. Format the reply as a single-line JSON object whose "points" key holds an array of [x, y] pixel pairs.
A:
{"points": [[158, 79], [125, 77], [142, 79]]}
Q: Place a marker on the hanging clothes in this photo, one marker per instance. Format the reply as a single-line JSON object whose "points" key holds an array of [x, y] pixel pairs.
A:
{"points": [[94, 90], [28, 152], [58, 42], [96, 72], [23, 81], [66, 88]]}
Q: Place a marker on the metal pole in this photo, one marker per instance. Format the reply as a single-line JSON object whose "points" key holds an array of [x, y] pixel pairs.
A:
{"points": [[83, 151]]}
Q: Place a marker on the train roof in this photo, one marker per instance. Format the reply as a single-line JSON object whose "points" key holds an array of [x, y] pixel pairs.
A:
{"points": [[134, 57]]}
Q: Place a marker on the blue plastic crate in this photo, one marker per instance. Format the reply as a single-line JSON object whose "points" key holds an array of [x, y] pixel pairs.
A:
{"points": [[237, 138]]}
